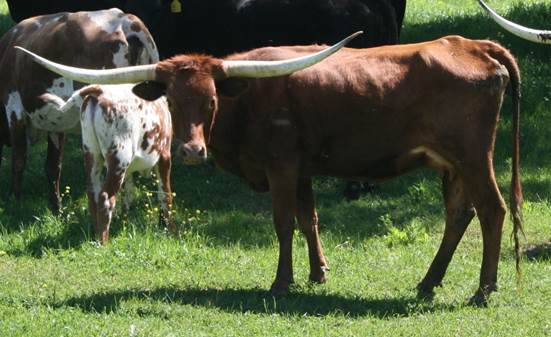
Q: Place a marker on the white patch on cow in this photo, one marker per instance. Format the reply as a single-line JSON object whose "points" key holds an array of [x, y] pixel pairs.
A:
{"points": [[62, 87], [105, 19], [57, 115], [14, 107], [119, 58]]}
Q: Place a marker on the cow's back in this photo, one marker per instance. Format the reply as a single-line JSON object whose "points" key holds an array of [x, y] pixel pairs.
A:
{"points": [[99, 39]]}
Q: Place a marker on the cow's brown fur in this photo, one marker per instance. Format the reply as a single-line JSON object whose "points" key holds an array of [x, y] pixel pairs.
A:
{"points": [[371, 114]]}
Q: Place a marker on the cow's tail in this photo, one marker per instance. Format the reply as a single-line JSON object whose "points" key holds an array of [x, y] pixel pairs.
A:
{"points": [[508, 60]]}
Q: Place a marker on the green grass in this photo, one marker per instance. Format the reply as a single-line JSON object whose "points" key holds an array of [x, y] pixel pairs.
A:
{"points": [[55, 281]]}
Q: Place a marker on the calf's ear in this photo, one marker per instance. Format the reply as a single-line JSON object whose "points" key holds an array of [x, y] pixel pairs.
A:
{"points": [[231, 87], [149, 90]]}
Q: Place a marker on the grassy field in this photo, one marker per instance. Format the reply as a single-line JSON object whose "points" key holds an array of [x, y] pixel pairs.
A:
{"points": [[211, 280]]}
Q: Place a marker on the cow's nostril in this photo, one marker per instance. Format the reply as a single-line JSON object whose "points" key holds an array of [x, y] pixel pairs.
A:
{"points": [[201, 152], [182, 152]]}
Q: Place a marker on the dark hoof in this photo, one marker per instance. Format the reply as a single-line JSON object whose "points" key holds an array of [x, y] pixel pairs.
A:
{"points": [[55, 209], [482, 295], [280, 289], [479, 300], [369, 188], [352, 191], [425, 292]]}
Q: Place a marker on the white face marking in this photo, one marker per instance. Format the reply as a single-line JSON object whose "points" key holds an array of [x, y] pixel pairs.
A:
{"points": [[14, 107], [119, 58], [61, 87], [106, 19]]}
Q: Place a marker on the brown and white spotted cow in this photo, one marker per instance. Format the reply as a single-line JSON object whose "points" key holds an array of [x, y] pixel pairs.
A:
{"points": [[122, 134], [32, 96]]}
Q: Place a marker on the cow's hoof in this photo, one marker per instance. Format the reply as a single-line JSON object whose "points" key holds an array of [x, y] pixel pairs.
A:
{"points": [[280, 288], [479, 299], [482, 295], [55, 208], [319, 277], [369, 187], [352, 191], [425, 291]]}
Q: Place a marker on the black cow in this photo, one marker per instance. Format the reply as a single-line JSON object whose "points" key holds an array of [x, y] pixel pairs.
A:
{"points": [[237, 25]]}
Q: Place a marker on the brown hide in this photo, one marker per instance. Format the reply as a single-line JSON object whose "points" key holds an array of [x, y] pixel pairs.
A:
{"points": [[375, 114], [365, 107]]}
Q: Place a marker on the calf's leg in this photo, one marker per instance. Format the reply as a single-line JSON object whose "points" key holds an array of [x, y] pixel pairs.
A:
{"points": [[93, 163], [459, 213], [114, 179], [308, 222]]}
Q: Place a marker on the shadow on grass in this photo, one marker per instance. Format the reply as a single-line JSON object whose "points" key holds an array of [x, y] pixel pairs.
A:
{"points": [[259, 302], [539, 252]]}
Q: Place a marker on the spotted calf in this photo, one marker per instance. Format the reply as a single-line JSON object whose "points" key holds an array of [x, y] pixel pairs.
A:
{"points": [[121, 134]]}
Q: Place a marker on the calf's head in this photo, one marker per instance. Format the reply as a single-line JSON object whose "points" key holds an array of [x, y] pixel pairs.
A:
{"points": [[189, 83]]}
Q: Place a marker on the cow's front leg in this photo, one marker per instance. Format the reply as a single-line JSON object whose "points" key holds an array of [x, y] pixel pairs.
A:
{"points": [[165, 193], [19, 157], [283, 188], [54, 158], [308, 222]]}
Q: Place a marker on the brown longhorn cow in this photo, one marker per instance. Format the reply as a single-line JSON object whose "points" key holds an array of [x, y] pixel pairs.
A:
{"points": [[371, 113]]}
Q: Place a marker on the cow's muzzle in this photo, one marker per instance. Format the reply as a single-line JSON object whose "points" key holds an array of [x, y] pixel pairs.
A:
{"points": [[192, 153]]}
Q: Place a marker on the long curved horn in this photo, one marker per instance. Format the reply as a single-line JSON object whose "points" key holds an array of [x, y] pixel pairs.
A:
{"points": [[534, 35], [246, 68], [133, 74], [141, 73]]}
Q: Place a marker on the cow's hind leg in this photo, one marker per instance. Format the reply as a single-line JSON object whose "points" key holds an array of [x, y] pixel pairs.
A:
{"points": [[459, 213], [308, 222], [114, 178], [93, 163], [490, 208], [54, 158]]}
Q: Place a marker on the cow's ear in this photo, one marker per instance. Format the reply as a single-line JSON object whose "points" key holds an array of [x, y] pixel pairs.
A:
{"points": [[231, 87], [149, 90]]}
